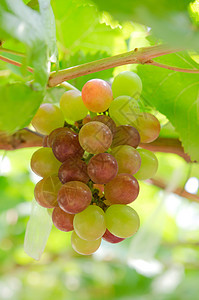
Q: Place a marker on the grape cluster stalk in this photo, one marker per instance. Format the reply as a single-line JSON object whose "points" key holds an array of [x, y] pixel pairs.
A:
{"points": [[90, 163]]}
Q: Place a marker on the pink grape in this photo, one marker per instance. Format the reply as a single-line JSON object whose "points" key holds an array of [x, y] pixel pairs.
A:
{"points": [[62, 220], [95, 137], [73, 169], [148, 127], [56, 132], [102, 168], [126, 135], [46, 191], [128, 159], [66, 145], [111, 238], [74, 196], [97, 95], [123, 189]]}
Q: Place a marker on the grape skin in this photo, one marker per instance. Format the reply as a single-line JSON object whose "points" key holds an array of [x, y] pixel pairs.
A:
{"points": [[43, 163], [62, 220], [97, 95], [47, 118], [124, 110], [126, 135], [148, 127], [102, 168], [149, 165], [123, 189], [46, 191], [82, 246], [122, 220], [111, 238], [73, 170], [95, 137], [66, 145], [74, 197], [107, 121], [90, 223], [128, 159], [127, 83], [72, 105], [56, 132]]}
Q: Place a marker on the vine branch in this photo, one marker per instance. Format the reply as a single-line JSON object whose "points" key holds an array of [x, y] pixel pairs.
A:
{"points": [[157, 64], [15, 63]]}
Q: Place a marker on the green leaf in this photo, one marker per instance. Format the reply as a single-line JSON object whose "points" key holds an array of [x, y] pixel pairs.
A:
{"points": [[25, 25], [18, 105], [176, 95], [49, 28], [169, 20], [79, 28]]}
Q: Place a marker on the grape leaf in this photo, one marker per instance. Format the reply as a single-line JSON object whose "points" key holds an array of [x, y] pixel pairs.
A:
{"points": [[169, 20], [25, 25], [176, 95], [79, 28], [18, 105]]}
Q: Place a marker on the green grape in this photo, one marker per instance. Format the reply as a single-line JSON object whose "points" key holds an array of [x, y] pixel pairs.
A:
{"points": [[126, 135], [107, 121], [128, 159], [46, 191], [47, 118], [124, 110], [123, 189], [127, 83], [62, 220], [90, 223], [74, 196], [44, 163], [122, 220], [149, 165], [84, 247], [97, 95], [95, 137], [148, 127], [72, 105]]}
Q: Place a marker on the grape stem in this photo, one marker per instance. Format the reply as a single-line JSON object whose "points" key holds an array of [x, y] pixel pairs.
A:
{"points": [[136, 56]]}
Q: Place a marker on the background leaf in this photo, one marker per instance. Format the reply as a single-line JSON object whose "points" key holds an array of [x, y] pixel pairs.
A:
{"points": [[176, 95]]}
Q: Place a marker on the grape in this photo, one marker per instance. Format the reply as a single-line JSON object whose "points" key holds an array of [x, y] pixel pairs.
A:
{"points": [[43, 162], [46, 191], [126, 135], [90, 223], [128, 159], [66, 145], [124, 110], [123, 189], [102, 168], [97, 95], [149, 165], [56, 132], [62, 220], [47, 118], [84, 247], [148, 127], [107, 121], [111, 238], [44, 142], [121, 220], [72, 105], [127, 83], [73, 169], [74, 196], [95, 137], [86, 119]]}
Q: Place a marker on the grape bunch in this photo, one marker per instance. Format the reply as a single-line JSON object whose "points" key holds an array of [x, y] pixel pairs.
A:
{"points": [[90, 162]]}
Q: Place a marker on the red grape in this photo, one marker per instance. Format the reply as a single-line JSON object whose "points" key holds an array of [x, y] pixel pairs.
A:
{"points": [[111, 238], [107, 121], [56, 132], [73, 169], [62, 220], [126, 135], [102, 168]]}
